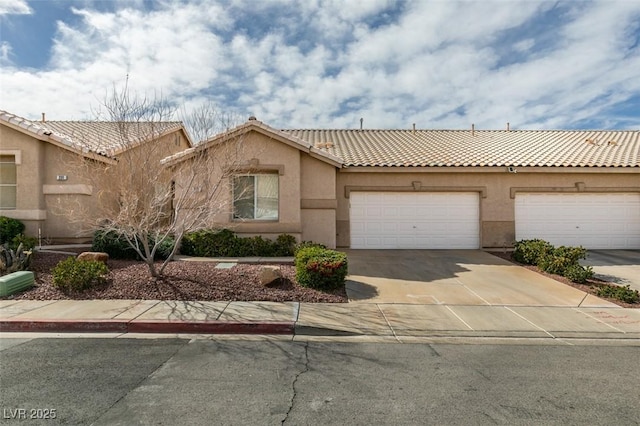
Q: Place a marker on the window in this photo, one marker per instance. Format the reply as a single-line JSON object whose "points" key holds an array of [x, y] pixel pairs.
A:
{"points": [[255, 197], [8, 182]]}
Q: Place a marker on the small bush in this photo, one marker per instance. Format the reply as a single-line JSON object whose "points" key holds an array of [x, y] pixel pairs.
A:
{"points": [[165, 248], [28, 243], [285, 245], [113, 244], [77, 275], [530, 251], [561, 258], [572, 254], [118, 248], [623, 293], [9, 229], [320, 268], [307, 244], [553, 264], [578, 273]]}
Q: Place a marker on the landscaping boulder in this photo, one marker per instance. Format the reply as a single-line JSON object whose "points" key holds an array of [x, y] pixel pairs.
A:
{"points": [[94, 255], [270, 275]]}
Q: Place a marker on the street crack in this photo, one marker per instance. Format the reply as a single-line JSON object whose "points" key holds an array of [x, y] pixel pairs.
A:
{"points": [[295, 380]]}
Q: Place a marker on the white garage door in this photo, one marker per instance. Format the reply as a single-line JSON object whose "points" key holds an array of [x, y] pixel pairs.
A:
{"points": [[399, 220], [594, 221]]}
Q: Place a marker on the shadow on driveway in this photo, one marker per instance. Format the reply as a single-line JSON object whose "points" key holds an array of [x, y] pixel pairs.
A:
{"points": [[621, 267], [453, 277]]}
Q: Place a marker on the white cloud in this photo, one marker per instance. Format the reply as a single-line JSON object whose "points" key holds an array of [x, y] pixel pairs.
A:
{"points": [[14, 7], [326, 64]]}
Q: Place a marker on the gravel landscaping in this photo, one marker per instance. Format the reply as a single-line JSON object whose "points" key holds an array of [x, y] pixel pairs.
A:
{"points": [[183, 280]]}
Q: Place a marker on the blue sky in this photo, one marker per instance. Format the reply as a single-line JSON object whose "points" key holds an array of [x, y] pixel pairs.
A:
{"points": [[326, 64]]}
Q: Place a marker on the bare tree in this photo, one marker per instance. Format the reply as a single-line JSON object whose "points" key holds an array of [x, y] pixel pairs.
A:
{"points": [[147, 194]]}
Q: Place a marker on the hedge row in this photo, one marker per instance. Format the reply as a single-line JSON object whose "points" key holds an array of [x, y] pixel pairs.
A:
{"points": [[225, 243], [561, 260], [118, 248]]}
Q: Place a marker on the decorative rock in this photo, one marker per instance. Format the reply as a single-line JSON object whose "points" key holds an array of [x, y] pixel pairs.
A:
{"points": [[94, 255], [270, 276]]}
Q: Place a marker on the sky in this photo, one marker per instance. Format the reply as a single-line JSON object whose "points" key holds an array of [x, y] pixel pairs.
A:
{"points": [[327, 64]]}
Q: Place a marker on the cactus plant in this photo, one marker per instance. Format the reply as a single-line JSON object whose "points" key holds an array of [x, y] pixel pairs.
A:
{"points": [[12, 261]]}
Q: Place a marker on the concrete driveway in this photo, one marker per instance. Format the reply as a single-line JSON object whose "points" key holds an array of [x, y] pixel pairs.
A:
{"points": [[619, 266], [454, 277]]}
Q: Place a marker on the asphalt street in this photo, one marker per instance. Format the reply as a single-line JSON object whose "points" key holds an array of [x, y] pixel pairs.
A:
{"points": [[272, 382]]}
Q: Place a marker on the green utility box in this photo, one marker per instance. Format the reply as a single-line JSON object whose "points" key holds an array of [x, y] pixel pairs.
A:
{"points": [[15, 282]]}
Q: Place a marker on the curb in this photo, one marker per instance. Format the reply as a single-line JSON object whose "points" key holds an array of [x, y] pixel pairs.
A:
{"points": [[141, 326]]}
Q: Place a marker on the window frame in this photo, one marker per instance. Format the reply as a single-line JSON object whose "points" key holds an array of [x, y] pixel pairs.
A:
{"points": [[234, 215], [14, 185]]}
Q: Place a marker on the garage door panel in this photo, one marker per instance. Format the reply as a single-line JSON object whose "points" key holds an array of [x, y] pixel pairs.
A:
{"points": [[414, 220], [595, 221]]}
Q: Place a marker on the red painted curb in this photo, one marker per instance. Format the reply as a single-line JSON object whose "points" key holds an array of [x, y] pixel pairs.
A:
{"points": [[140, 326], [65, 326], [211, 327]]}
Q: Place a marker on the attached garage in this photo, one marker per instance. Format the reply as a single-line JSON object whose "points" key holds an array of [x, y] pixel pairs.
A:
{"points": [[415, 220], [594, 221]]}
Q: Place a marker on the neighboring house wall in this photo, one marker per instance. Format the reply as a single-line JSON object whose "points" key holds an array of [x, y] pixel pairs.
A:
{"points": [[497, 189], [28, 154], [65, 198], [48, 205]]}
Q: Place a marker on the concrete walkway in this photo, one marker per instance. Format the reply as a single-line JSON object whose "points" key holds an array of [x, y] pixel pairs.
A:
{"points": [[394, 295], [292, 318]]}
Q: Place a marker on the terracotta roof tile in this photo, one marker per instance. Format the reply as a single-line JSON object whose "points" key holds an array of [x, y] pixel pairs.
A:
{"points": [[105, 138], [456, 148]]}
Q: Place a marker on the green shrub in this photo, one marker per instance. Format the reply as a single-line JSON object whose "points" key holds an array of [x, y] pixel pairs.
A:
{"points": [[561, 258], [530, 251], [113, 244], [77, 275], [165, 248], [28, 243], [553, 264], [224, 243], [9, 229], [285, 245], [572, 254], [208, 243], [307, 244], [118, 248], [578, 273], [623, 293], [320, 268]]}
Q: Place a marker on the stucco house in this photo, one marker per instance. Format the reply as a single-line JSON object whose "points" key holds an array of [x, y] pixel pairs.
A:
{"points": [[36, 166], [434, 189]]}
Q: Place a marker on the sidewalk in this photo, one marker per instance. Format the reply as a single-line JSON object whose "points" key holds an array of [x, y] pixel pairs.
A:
{"points": [[322, 319]]}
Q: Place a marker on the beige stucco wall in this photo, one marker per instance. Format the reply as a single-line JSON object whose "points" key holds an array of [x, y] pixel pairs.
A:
{"points": [[251, 153], [318, 203], [30, 207], [496, 188], [50, 207], [306, 188]]}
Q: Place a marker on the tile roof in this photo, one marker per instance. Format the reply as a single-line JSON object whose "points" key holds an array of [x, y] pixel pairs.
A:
{"points": [[104, 138], [257, 126], [460, 148]]}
